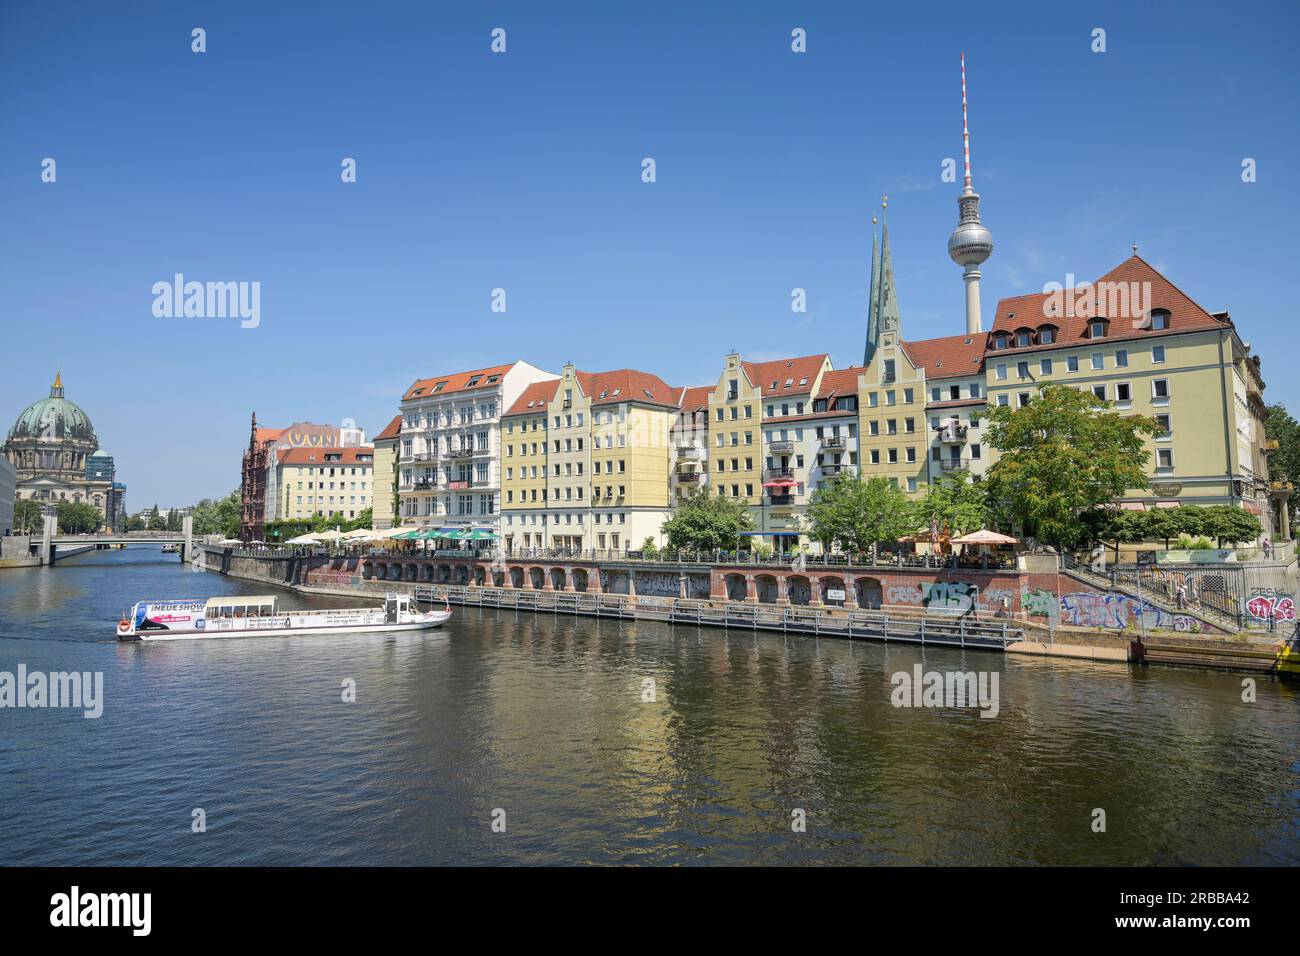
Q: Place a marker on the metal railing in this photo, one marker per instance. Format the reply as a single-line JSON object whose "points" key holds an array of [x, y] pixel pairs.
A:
{"points": [[669, 556], [950, 630]]}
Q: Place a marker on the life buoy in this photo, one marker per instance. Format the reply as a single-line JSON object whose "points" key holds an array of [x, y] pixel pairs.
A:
{"points": [[124, 625]]}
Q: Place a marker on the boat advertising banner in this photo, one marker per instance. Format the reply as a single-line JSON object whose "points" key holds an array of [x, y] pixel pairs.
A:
{"points": [[169, 615]]}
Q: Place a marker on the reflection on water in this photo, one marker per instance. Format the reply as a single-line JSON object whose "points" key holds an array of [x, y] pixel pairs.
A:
{"points": [[543, 717]]}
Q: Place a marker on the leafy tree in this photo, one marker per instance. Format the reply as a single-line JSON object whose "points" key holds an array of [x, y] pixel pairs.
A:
{"points": [[136, 523], [955, 505], [1284, 464], [649, 549], [77, 517], [27, 516], [859, 512], [156, 522], [706, 522], [1061, 455], [1230, 524], [175, 520]]}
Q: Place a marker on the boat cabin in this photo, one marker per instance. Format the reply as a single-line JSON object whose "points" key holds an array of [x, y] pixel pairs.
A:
{"points": [[240, 606], [394, 605]]}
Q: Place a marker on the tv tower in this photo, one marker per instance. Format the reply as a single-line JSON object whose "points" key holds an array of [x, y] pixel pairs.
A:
{"points": [[970, 243]]}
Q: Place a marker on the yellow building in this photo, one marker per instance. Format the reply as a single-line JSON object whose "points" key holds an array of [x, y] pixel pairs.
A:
{"points": [[386, 484], [524, 468], [1136, 340], [334, 482]]}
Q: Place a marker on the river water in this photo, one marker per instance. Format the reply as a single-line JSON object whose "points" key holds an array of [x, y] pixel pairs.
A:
{"points": [[542, 722]]}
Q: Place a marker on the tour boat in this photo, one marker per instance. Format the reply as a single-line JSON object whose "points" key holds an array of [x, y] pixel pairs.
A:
{"points": [[258, 616]]}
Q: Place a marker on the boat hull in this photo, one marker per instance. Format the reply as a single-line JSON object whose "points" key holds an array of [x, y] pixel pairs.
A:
{"points": [[436, 620]]}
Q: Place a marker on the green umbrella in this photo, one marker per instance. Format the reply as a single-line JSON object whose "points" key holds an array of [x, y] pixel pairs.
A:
{"points": [[407, 536], [453, 535], [479, 534]]}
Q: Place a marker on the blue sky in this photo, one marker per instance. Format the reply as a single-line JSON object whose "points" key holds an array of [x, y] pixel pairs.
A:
{"points": [[522, 171]]}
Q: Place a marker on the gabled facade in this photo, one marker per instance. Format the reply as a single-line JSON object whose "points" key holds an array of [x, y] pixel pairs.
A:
{"points": [[524, 467], [954, 398], [386, 483]]}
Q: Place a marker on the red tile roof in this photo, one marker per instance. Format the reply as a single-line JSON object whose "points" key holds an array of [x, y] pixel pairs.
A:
{"points": [[780, 371], [950, 356], [317, 456], [391, 430], [527, 403], [263, 435], [627, 385], [456, 382], [1034, 311], [842, 381], [695, 397]]}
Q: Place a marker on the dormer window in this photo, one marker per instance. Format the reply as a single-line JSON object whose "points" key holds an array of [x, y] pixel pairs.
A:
{"points": [[1097, 329], [1159, 319], [1000, 341], [1046, 335], [1024, 338]]}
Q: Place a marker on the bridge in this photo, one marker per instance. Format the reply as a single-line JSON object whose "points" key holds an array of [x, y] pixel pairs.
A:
{"points": [[74, 544]]}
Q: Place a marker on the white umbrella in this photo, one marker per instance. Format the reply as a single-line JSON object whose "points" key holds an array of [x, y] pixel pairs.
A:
{"points": [[224, 542], [984, 536], [391, 533], [359, 534], [303, 539], [331, 535]]}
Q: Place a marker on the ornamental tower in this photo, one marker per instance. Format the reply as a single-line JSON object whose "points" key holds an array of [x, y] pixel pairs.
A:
{"points": [[970, 243]]}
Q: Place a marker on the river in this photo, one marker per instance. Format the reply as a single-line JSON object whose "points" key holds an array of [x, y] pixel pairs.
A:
{"points": [[543, 724]]}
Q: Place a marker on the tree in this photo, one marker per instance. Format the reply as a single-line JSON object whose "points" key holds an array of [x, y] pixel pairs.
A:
{"points": [[27, 516], [175, 520], [1284, 464], [136, 523], [156, 522], [1230, 524], [705, 522], [954, 504], [77, 517], [859, 512], [1061, 455]]}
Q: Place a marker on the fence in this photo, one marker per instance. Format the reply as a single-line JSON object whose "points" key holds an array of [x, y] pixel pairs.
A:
{"points": [[947, 630]]}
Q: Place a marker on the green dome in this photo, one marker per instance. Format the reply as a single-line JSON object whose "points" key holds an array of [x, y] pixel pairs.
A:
{"points": [[54, 418]]}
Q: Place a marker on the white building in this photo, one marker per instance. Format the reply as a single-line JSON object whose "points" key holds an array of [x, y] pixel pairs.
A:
{"points": [[449, 459]]}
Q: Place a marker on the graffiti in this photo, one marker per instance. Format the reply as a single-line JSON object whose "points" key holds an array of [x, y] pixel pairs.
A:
{"points": [[1266, 603], [950, 595], [660, 583], [1119, 611], [995, 597], [1039, 602], [904, 594]]}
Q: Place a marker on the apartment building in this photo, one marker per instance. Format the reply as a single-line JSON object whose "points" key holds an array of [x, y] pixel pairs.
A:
{"points": [[834, 423], [790, 445], [690, 443], [1136, 340], [450, 451], [333, 482], [524, 467], [954, 398], [386, 495]]}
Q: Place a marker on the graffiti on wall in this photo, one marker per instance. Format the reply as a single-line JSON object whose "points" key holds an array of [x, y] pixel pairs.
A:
{"points": [[1120, 611], [1268, 603], [950, 595], [1040, 602], [904, 594]]}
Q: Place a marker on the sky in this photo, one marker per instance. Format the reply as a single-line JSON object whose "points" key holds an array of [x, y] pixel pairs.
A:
{"points": [[522, 171]]}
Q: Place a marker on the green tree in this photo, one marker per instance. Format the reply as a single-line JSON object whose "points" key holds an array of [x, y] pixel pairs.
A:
{"points": [[27, 516], [1226, 523], [175, 520], [706, 522], [1284, 464], [858, 512], [1062, 455], [136, 523], [77, 517], [955, 504], [156, 522], [229, 512]]}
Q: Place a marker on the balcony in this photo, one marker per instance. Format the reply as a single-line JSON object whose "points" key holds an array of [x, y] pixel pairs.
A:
{"points": [[832, 470], [953, 464], [781, 447], [834, 441], [688, 477], [465, 451], [775, 498], [691, 452], [952, 434], [771, 473]]}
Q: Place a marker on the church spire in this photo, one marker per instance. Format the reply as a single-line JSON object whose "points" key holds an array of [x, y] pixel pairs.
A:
{"points": [[873, 333], [884, 314], [56, 390]]}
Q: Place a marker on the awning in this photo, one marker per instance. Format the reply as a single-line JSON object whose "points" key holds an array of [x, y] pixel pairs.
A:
{"points": [[1132, 506], [780, 483], [1252, 507]]}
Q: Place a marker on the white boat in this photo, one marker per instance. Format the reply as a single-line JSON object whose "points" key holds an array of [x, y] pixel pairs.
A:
{"points": [[258, 616]]}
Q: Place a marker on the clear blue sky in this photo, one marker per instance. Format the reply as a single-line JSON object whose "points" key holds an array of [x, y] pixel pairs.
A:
{"points": [[522, 171]]}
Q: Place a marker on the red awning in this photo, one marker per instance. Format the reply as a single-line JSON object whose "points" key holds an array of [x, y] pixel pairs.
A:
{"points": [[1252, 507], [780, 483]]}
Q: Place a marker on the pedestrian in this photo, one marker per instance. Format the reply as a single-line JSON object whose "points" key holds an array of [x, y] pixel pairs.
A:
{"points": [[1182, 595], [1268, 548]]}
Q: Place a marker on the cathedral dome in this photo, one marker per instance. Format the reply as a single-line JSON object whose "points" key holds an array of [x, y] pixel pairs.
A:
{"points": [[53, 419]]}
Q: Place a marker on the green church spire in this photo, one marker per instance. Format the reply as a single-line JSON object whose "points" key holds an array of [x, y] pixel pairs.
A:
{"points": [[884, 315]]}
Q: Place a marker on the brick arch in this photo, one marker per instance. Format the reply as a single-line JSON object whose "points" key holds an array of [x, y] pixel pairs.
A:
{"points": [[516, 577], [799, 589], [536, 578], [766, 587], [580, 579], [558, 578], [871, 593], [736, 586]]}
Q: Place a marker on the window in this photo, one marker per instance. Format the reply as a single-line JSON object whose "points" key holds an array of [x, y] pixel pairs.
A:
{"points": [[999, 341], [1022, 399], [1072, 363], [974, 451], [974, 389], [1023, 339], [1098, 360], [1002, 400], [1022, 370], [1001, 373], [1159, 319], [1121, 358], [1157, 354], [1160, 389], [934, 394], [1166, 425], [1123, 392], [1045, 366], [1164, 459], [1099, 391], [1046, 335], [1097, 329]]}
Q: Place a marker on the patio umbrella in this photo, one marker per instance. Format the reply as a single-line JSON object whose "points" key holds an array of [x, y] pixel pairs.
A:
{"points": [[479, 534], [359, 534], [984, 536], [226, 542], [331, 535], [407, 534]]}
